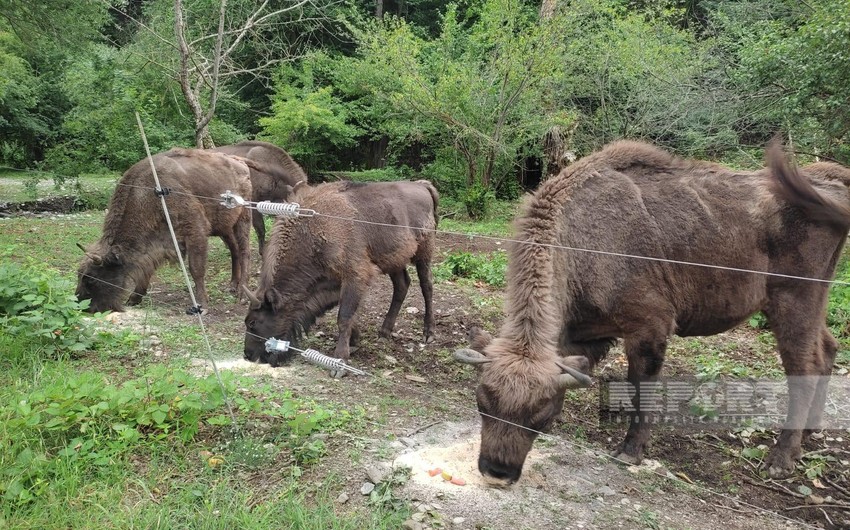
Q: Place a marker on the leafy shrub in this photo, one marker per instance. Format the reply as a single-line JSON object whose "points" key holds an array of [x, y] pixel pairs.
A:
{"points": [[38, 307], [84, 419], [488, 268], [478, 200]]}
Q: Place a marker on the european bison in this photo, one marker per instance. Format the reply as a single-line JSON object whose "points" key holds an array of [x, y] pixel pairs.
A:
{"points": [[136, 240], [315, 263], [273, 173], [565, 308]]}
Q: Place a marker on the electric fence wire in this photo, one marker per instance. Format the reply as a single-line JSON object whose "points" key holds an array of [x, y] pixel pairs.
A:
{"points": [[438, 232]]}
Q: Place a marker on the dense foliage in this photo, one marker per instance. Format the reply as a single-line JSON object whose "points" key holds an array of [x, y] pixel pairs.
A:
{"points": [[482, 97]]}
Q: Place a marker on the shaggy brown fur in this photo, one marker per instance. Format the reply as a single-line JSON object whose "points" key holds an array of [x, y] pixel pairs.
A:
{"points": [[273, 173], [136, 239], [632, 198], [316, 263]]}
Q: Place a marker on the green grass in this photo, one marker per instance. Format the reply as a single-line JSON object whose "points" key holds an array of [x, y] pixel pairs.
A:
{"points": [[496, 224], [111, 438]]}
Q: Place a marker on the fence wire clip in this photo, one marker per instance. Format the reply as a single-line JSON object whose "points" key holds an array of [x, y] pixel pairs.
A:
{"points": [[283, 209], [231, 200], [161, 192], [336, 366], [273, 345]]}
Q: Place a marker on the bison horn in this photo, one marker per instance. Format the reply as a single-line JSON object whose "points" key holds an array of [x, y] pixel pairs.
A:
{"points": [[255, 302], [94, 257], [572, 378], [469, 356]]}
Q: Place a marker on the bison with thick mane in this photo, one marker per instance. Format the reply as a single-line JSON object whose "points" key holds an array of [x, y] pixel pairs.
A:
{"points": [[312, 264], [273, 174], [565, 308], [136, 239]]}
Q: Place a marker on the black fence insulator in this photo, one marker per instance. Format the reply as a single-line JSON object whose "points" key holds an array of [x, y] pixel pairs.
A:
{"points": [[194, 310], [162, 192]]}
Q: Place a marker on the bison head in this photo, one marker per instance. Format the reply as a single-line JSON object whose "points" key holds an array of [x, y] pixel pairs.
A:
{"points": [[102, 278], [518, 397], [266, 318]]}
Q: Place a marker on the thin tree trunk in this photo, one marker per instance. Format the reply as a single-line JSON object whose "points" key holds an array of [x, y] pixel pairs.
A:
{"points": [[379, 8]]}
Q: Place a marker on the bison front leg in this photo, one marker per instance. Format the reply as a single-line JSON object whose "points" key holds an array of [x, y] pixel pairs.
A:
{"points": [[401, 283], [140, 291], [349, 301], [645, 356], [196, 251]]}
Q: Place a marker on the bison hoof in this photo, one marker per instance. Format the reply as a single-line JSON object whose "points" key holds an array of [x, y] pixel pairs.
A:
{"points": [[625, 458], [431, 337], [385, 333], [779, 465]]}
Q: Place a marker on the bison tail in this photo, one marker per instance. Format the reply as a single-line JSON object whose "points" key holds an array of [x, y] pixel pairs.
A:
{"points": [[797, 190], [435, 196]]}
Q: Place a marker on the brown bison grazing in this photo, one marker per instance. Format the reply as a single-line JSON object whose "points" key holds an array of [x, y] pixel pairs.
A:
{"points": [[565, 308], [136, 239], [273, 173], [315, 263]]}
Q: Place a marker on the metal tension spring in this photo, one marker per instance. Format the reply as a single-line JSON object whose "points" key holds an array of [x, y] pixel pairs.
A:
{"points": [[331, 363], [279, 209]]}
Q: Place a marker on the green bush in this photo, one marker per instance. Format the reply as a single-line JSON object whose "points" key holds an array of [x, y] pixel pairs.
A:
{"points": [[478, 200], [487, 268], [85, 420], [38, 307]]}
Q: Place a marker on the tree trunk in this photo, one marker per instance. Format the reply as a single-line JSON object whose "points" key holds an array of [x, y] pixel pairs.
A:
{"points": [[203, 140], [379, 8], [547, 9]]}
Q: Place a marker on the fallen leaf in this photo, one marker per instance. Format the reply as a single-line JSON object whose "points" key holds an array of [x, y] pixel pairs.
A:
{"points": [[818, 484]]}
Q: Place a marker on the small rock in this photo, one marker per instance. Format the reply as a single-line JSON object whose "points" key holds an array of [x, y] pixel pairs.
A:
{"points": [[457, 521], [409, 442], [814, 499], [606, 490], [343, 498], [625, 501], [412, 310], [418, 517], [377, 473], [390, 359], [423, 508], [411, 525], [417, 378], [367, 488]]}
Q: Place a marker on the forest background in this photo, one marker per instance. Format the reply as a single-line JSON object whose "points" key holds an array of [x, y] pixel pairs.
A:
{"points": [[483, 97]]}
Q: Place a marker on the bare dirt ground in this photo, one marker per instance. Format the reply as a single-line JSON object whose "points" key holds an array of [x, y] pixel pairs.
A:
{"points": [[421, 409]]}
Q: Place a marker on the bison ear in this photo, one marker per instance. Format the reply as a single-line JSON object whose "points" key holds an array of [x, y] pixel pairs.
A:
{"points": [[273, 298], [113, 257], [478, 338], [287, 191]]}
